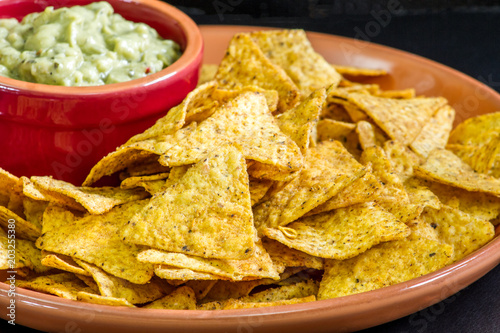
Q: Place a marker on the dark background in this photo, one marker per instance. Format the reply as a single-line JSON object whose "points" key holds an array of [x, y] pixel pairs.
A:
{"points": [[464, 35]]}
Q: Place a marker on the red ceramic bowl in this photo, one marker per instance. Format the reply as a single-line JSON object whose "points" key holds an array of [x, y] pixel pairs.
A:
{"points": [[64, 131]]}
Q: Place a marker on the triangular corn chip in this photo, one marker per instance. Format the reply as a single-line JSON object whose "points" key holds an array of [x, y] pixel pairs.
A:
{"points": [[282, 255], [112, 286], [259, 265], [97, 200], [298, 123], [247, 121], [384, 265], [447, 168], [96, 239], [467, 131], [401, 119], [65, 285], [189, 218], [292, 51], [464, 232], [244, 64], [182, 298], [435, 132], [342, 234], [328, 169]]}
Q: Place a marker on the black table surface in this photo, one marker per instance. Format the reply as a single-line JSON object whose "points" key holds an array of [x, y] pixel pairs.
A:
{"points": [[464, 37]]}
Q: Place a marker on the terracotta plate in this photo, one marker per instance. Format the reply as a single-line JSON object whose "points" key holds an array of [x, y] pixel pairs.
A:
{"points": [[468, 96]]}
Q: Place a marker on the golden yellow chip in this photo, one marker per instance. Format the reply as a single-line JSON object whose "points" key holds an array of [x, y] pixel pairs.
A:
{"points": [[62, 262], [65, 285], [481, 205], [445, 167], [464, 232], [201, 288], [244, 64], [435, 132], [328, 129], [96, 200], [284, 256], [140, 181], [467, 131], [96, 239], [401, 119], [182, 274], [358, 71], [328, 169], [298, 123], [207, 214], [182, 298], [292, 51], [24, 229], [259, 265], [139, 154], [364, 189], [247, 122], [401, 158], [342, 234], [405, 93], [112, 286], [384, 265], [90, 297]]}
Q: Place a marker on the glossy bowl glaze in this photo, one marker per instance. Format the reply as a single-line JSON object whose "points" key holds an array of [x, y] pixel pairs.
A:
{"points": [[64, 131], [344, 314]]}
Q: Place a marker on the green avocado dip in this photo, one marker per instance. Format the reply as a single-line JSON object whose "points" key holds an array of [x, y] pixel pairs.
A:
{"points": [[81, 46]]}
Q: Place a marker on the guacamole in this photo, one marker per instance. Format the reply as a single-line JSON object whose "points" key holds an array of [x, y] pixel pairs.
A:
{"points": [[81, 46]]}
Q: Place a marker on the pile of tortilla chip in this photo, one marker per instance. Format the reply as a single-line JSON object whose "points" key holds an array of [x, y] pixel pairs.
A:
{"points": [[276, 181]]}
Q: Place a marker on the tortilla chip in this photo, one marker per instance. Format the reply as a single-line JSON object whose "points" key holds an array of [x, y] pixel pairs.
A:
{"points": [[24, 229], [182, 298], [445, 167], [393, 196], [288, 292], [334, 111], [292, 51], [384, 265], [90, 297], [464, 232], [358, 71], [363, 189], [401, 158], [420, 194], [343, 234], [329, 129], [245, 64], [201, 288], [65, 285], [435, 132], [62, 262], [140, 181], [258, 189], [404, 94], [96, 239], [481, 205], [140, 154], [467, 131], [298, 123], [97, 200], [247, 121], [259, 265], [284, 256], [238, 304], [328, 169], [182, 274], [209, 211], [366, 134], [112, 286], [400, 119]]}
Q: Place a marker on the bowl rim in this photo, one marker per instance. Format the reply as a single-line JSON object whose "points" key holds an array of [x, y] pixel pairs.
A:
{"points": [[194, 46]]}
